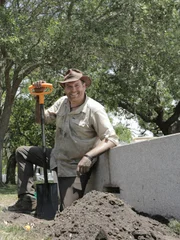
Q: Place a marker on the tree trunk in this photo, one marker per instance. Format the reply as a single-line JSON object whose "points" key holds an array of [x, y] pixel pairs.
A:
{"points": [[1, 148], [3, 129], [4, 121], [11, 169]]}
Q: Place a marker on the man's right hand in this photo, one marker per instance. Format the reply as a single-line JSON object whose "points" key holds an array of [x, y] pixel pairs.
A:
{"points": [[84, 165], [38, 86]]}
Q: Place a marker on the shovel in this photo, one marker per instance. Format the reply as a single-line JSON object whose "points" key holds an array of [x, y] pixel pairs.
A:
{"points": [[47, 193]]}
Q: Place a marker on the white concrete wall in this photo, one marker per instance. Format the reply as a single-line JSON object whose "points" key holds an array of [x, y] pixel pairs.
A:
{"points": [[147, 173]]}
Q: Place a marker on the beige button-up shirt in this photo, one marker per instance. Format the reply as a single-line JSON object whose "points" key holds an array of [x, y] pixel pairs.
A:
{"points": [[77, 132]]}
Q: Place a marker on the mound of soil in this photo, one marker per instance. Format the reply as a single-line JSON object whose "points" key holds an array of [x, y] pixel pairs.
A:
{"points": [[99, 216], [102, 216]]}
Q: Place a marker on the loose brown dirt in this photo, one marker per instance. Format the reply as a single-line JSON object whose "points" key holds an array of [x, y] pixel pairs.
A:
{"points": [[97, 216]]}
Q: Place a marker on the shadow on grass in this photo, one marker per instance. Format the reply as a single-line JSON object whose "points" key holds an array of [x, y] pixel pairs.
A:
{"points": [[8, 189]]}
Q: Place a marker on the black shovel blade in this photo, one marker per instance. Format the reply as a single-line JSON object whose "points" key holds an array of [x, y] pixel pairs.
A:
{"points": [[47, 201]]}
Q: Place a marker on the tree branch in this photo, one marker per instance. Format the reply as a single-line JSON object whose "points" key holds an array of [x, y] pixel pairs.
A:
{"points": [[174, 117], [2, 2], [69, 12], [19, 76], [134, 111], [9, 64]]}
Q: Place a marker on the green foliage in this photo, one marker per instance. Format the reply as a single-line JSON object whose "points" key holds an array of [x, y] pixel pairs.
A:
{"points": [[175, 226], [23, 130], [140, 63], [123, 133]]}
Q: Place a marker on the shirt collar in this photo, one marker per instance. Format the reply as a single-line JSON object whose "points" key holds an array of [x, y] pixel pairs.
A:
{"points": [[81, 108]]}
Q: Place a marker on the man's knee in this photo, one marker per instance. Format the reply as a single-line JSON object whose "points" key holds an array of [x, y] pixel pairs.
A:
{"points": [[19, 149], [21, 153]]}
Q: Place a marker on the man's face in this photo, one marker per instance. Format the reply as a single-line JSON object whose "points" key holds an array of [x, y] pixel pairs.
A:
{"points": [[75, 90]]}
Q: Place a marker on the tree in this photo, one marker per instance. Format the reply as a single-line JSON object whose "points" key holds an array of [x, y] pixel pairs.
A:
{"points": [[34, 38], [140, 66], [22, 33], [130, 48]]}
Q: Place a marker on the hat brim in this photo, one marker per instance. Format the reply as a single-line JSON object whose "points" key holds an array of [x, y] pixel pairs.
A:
{"points": [[85, 79]]}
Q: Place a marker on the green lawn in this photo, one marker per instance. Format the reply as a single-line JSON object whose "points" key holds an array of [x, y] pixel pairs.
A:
{"points": [[8, 195]]}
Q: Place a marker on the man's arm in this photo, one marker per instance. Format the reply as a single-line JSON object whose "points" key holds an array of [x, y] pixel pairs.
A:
{"points": [[106, 133], [85, 163], [103, 146]]}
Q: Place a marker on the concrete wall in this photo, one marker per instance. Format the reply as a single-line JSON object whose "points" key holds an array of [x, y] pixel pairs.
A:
{"points": [[147, 173]]}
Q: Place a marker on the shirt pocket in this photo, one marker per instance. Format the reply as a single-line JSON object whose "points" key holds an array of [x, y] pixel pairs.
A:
{"points": [[80, 127]]}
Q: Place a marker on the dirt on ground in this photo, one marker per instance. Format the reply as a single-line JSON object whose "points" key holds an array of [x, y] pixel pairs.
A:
{"points": [[97, 216]]}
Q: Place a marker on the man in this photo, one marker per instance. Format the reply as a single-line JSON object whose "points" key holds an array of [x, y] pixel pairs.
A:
{"points": [[83, 131]]}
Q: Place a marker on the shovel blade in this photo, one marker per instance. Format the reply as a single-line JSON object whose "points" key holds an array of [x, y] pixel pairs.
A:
{"points": [[47, 201]]}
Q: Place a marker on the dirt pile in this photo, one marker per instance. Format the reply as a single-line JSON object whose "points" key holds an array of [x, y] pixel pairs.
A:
{"points": [[102, 216], [97, 216]]}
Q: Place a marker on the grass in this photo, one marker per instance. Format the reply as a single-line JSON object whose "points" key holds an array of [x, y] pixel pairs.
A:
{"points": [[11, 231], [175, 226], [8, 189], [8, 195]]}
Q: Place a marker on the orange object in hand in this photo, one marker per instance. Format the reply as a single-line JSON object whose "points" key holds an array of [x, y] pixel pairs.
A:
{"points": [[46, 88]]}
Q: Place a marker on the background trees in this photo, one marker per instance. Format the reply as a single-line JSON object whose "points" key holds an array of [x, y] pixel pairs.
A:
{"points": [[130, 48], [140, 64]]}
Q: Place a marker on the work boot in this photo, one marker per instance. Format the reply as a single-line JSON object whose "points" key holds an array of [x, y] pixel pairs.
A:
{"points": [[25, 204]]}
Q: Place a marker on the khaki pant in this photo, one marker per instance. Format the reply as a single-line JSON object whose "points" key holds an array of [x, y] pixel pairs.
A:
{"points": [[27, 156]]}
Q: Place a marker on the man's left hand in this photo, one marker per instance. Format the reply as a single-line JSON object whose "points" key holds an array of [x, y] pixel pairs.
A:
{"points": [[84, 165]]}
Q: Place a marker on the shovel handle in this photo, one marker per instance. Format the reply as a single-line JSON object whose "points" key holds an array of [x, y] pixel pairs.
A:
{"points": [[46, 88]]}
